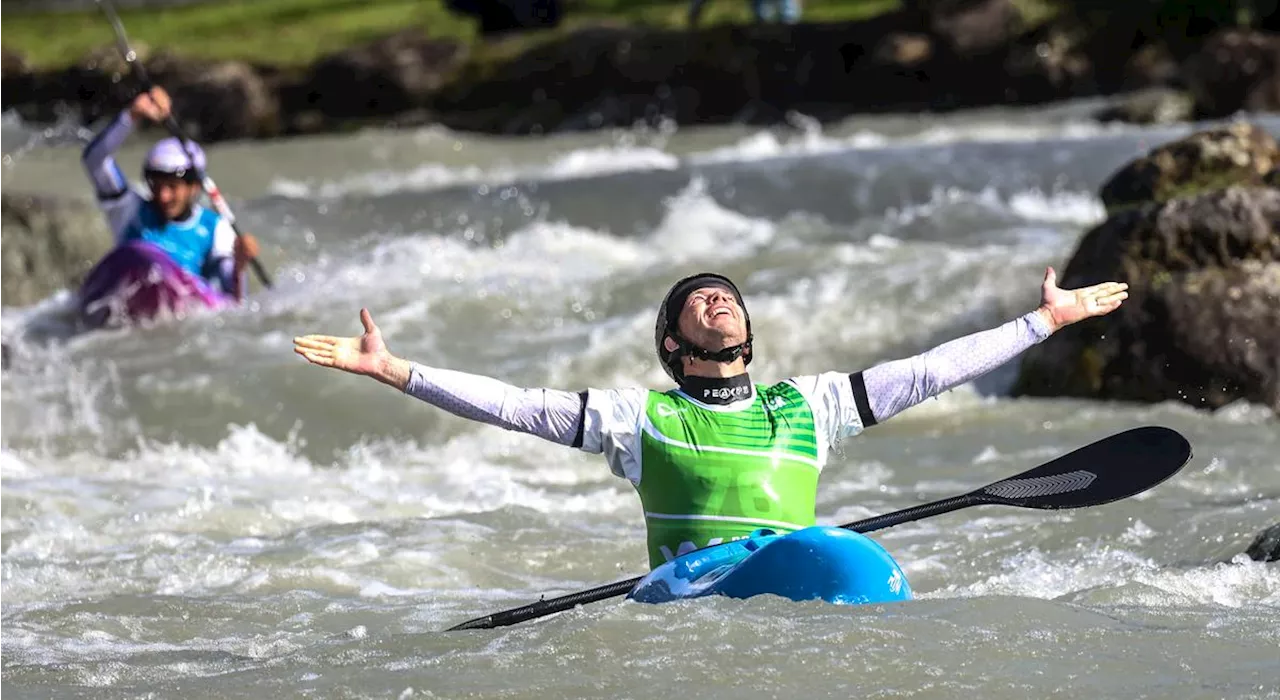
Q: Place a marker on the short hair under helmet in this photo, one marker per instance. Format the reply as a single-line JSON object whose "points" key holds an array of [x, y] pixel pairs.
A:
{"points": [[170, 157], [669, 317]]}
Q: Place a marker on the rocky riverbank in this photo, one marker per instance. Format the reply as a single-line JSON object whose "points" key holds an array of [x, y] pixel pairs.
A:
{"points": [[955, 54], [48, 244], [1194, 228]]}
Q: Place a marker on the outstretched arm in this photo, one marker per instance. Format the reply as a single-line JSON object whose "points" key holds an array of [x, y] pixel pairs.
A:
{"points": [[552, 415], [893, 387]]}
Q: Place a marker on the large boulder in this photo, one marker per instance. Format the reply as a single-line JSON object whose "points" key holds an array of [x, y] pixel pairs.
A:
{"points": [[1202, 258], [1237, 154], [968, 26], [13, 63], [84, 90], [98, 85], [1266, 546], [610, 76], [1053, 61], [17, 77], [107, 60], [1154, 105], [214, 100], [384, 77], [1235, 70], [218, 100], [1152, 65], [48, 244]]}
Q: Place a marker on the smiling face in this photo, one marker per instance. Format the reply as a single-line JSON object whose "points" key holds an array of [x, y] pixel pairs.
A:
{"points": [[173, 196], [712, 318]]}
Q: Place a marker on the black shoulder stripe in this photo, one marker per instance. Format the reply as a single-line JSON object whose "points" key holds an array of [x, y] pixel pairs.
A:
{"points": [[860, 399], [582, 421]]}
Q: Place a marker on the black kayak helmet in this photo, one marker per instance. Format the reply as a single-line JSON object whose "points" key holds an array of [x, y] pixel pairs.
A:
{"points": [[669, 318]]}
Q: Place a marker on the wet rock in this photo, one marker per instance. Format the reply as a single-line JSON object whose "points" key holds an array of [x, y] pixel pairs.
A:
{"points": [[107, 60], [1237, 154], [81, 92], [934, 55], [219, 100], [1053, 60], [904, 49], [213, 100], [1202, 323], [388, 76], [606, 76], [13, 63], [969, 26], [1151, 66], [1157, 105], [1235, 70], [18, 78], [1266, 547], [48, 244]]}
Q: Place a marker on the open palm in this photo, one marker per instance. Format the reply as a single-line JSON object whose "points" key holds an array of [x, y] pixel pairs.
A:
{"points": [[365, 354], [1066, 306]]}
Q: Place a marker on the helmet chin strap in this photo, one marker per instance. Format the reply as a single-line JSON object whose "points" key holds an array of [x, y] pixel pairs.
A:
{"points": [[728, 354]]}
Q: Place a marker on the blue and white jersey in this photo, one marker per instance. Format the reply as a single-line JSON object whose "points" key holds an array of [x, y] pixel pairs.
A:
{"points": [[202, 244], [196, 243]]}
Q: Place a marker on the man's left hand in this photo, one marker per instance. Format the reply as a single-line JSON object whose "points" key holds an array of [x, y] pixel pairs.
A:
{"points": [[1063, 307]]}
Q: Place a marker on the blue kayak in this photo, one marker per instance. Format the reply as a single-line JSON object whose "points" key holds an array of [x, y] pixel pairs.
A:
{"points": [[830, 563]]}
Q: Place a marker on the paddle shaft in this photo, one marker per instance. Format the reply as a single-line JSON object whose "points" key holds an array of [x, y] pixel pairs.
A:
{"points": [[210, 187], [555, 605], [1103, 471]]}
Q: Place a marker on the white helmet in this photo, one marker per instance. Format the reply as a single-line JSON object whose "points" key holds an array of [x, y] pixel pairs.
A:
{"points": [[174, 158]]}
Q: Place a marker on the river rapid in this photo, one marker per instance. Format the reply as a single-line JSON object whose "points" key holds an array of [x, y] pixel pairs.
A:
{"points": [[191, 511]]}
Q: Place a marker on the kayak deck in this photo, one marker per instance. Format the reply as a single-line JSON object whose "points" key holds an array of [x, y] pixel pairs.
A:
{"points": [[828, 563], [139, 282]]}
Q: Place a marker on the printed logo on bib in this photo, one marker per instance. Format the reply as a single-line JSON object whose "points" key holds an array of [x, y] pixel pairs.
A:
{"points": [[727, 392]]}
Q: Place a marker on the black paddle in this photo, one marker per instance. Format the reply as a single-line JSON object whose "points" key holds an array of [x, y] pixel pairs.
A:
{"points": [[210, 187], [1108, 470]]}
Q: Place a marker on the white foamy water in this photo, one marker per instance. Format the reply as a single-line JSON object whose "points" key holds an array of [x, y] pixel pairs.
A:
{"points": [[806, 138], [188, 510]]}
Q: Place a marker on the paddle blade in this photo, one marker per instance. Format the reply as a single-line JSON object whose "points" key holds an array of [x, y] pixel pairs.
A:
{"points": [[1108, 470]]}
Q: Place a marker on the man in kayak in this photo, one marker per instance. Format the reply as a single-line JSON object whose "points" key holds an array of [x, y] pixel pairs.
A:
{"points": [[718, 456], [196, 239]]}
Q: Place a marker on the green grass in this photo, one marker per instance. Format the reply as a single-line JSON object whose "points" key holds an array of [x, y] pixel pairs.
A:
{"points": [[283, 32], [1037, 12], [295, 32]]}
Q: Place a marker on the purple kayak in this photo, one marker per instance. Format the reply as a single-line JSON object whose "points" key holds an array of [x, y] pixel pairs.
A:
{"points": [[139, 282]]}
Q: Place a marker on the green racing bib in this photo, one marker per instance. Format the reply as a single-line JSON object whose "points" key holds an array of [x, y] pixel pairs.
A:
{"points": [[711, 475]]}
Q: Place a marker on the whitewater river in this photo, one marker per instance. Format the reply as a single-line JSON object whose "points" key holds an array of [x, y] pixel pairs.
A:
{"points": [[191, 511]]}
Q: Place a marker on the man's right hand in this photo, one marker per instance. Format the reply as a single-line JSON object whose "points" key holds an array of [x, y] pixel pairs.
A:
{"points": [[366, 354], [152, 105]]}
